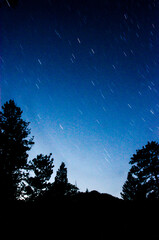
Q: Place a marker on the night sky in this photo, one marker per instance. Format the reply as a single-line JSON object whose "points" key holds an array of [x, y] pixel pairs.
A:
{"points": [[86, 75]]}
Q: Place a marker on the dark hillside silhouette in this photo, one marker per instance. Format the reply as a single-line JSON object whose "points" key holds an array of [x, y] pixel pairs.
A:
{"points": [[59, 209]]}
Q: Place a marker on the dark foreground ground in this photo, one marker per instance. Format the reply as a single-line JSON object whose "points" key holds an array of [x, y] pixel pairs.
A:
{"points": [[85, 216]]}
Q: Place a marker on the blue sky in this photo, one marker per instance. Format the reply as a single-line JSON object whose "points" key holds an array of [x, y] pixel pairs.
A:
{"points": [[86, 77]]}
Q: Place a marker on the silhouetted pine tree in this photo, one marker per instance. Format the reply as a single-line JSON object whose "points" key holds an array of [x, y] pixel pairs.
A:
{"points": [[41, 170], [61, 186], [129, 189], [14, 144], [143, 177]]}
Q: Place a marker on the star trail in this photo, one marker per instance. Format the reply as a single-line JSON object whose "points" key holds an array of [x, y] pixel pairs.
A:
{"points": [[85, 74]]}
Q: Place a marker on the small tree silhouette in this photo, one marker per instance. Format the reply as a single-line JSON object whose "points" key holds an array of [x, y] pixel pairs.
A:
{"points": [[61, 186]]}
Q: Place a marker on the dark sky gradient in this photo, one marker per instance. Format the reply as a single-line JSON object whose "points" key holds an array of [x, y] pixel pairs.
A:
{"points": [[86, 74]]}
